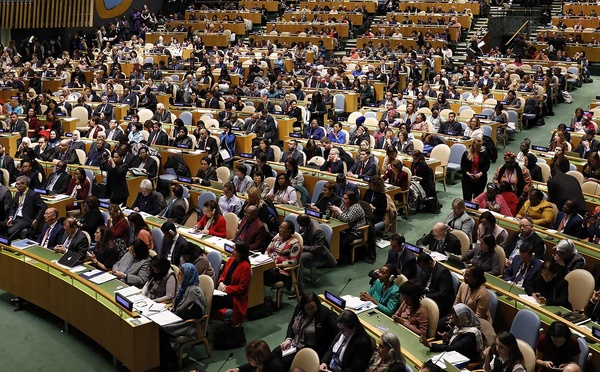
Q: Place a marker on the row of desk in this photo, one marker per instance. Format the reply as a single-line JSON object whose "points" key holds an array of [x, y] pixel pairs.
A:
{"points": [[297, 27], [355, 18], [463, 19], [238, 27], [254, 16], [212, 39]]}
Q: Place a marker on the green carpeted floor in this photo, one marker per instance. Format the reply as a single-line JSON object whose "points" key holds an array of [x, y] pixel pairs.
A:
{"points": [[33, 339]]}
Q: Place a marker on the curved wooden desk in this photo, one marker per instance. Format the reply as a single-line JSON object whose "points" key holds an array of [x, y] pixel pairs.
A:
{"points": [[91, 308]]}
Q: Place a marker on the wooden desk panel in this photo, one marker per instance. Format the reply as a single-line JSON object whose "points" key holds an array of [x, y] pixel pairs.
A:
{"points": [[371, 6], [237, 27], [328, 42], [473, 7], [296, 28], [464, 20], [355, 18], [576, 7], [393, 42], [255, 17]]}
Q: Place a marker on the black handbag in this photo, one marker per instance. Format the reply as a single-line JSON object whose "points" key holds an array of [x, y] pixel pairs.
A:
{"points": [[230, 337]]}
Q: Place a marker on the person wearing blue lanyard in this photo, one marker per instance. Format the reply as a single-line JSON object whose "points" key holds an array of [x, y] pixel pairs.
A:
{"points": [[351, 349]]}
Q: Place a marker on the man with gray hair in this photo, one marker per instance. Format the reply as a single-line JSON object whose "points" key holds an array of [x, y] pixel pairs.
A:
{"points": [[567, 257], [27, 210], [161, 115], [148, 200]]}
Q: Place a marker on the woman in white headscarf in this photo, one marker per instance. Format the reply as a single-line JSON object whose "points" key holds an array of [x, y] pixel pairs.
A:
{"points": [[465, 336]]}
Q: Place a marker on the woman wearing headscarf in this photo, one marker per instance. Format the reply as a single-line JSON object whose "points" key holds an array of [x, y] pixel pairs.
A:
{"points": [[189, 303], [465, 336]]}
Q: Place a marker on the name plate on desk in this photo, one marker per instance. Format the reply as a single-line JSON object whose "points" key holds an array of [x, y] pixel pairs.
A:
{"points": [[337, 301], [4, 240], [295, 135], [228, 248], [413, 248], [312, 213], [123, 301], [41, 191], [236, 128], [471, 205], [479, 116], [183, 146], [184, 179], [246, 155], [104, 205], [539, 148]]}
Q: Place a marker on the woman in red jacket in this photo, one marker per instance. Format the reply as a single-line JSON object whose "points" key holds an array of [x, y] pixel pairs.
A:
{"points": [[235, 281], [79, 188], [119, 226], [212, 222]]}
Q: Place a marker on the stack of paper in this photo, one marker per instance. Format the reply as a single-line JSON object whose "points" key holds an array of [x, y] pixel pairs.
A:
{"points": [[355, 303], [216, 292], [438, 256], [530, 299], [453, 357], [129, 291], [103, 278], [259, 259], [164, 317], [23, 244], [381, 243]]}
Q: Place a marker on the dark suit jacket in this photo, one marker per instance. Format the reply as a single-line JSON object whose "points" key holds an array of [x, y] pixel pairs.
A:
{"points": [[91, 220], [440, 287], [574, 226], [94, 157], [61, 185], [150, 166], [356, 357], [381, 141], [165, 117], [512, 270], [212, 103], [33, 206], [369, 170], [162, 140], [451, 127], [108, 110], [451, 243], [70, 156], [562, 187], [116, 182], [9, 165], [538, 245], [177, 211], [55, 235], [210, 146], [118, 131], [349, 186], [150, 204], [166, 247], [209, 175], [79, 244], [407, 264], [270, 107]]}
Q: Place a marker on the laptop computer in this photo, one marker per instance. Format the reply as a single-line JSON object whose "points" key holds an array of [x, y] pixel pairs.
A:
{"points": [[70, 259]]}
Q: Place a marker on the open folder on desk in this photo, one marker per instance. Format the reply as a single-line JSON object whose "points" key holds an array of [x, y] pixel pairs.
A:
{"points": [[164, 317], [451, 357], [355, 303]]}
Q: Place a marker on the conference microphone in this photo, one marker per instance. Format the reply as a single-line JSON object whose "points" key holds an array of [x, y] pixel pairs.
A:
{"points": [[348, 282], [226, 360]]}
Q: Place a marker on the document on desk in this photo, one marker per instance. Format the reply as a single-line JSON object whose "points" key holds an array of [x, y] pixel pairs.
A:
{"points": [[92, 273], [129, 291], [289, 351], [438, 256], [61, 196], [23, 244], [219, 242], [164, 318], [191, 231], [382, 243], [355, 303], [259, 259], [453, 357], [216, 292], [529, 299], [103, 278]]}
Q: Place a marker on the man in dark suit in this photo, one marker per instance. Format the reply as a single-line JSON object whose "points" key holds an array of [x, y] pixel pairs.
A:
{"points": [[114, 132], [95, 155], [58, 181], [252, 230], [524, 267], [342, 185], [129, 98], [27, 210], [17, 125], [64, 153], [265, 104], [526, 234], [363, 168], [211, 101], [208, 144], [238, 69], [5, 202], [105, 108], [161, 115], [569, 222], [451, 125], [402, 258], [563, 187], [172, 243], [158, 136], [73, 239], [441, 240], [293, 152], [177, 208], [437, 281], [45, 73], [52, 231], [588, 145], [145, 162], [311, 81], [254, 125], [386, 141], [224, 116], [8, 163], [328, 145], [64, 106]]}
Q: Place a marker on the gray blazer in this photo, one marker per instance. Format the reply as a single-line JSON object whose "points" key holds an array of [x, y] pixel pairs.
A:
{"points": [[138, 271]]}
